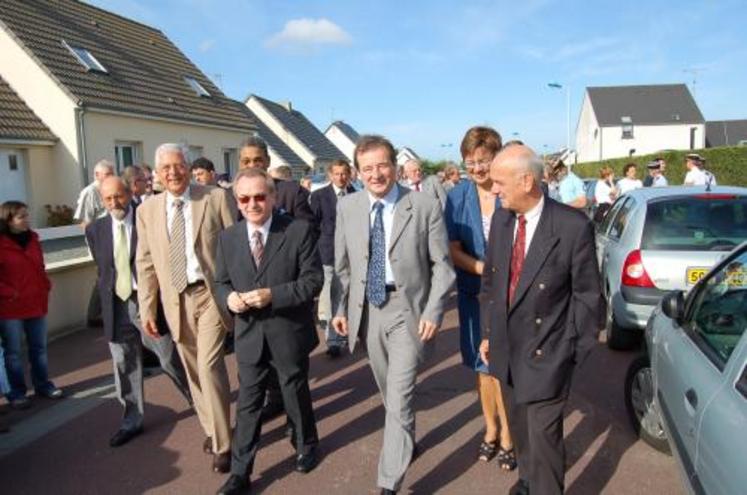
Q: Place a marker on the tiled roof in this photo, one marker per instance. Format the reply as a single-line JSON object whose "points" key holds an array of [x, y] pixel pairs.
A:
{"points": [[725, 132], [17, 121], [298, 125], [146, 70], [653, 104], [347, 130], [274, 142]]}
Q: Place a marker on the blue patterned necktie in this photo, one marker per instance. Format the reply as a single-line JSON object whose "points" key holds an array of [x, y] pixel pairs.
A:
{"points": [[376, 284]]}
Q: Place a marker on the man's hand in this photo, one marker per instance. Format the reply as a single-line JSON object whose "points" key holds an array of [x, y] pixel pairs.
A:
{"points": [[484, 350], [258, 298], [236, 303], [150, 329], [427, 330], [340, 325]]}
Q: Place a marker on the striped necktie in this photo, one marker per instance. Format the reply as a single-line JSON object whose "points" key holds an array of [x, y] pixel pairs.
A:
{"points": [[177, 247]]}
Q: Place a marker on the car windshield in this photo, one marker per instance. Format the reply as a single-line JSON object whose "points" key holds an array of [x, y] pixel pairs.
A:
{"points": [[715, 222]]}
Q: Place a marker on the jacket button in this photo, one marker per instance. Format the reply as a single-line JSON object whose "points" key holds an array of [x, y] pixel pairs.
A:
{"points": [[538, 321], [542, 286], [538, 352], [491, 302], [493, 270]]}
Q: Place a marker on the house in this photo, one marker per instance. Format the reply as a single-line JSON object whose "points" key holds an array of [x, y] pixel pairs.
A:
{"points": [[293, 128], [105, 87], [344, 137], [619, 121], [726, 133], [405, 154]]}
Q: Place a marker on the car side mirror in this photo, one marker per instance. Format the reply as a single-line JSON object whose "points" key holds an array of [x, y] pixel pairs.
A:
{"points": [[673, 305]]}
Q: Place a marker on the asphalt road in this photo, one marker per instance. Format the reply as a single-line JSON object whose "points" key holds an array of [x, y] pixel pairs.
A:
{"points": [[62, 447]]}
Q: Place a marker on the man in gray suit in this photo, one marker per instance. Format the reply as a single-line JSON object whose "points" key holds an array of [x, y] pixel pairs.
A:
{"points": [[393, 267], [413, 172]]}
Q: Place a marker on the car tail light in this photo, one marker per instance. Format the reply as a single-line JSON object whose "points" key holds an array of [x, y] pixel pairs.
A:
{"points": [[634, 273]]}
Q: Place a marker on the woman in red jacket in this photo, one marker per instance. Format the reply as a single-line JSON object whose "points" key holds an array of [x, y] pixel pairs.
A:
{"points": [[24, 292]]}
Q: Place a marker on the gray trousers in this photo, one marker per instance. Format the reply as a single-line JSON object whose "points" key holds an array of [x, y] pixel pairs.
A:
{"points": [[394, 356], [330, 291], [127, 357]]}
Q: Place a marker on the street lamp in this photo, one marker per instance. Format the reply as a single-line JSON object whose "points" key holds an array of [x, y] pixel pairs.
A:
{"points": [[555, 85]]}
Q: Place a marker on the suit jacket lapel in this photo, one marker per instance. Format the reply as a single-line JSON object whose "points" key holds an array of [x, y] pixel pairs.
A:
{"points": [[246, 267], [107, 241], [402, 215], [162, 224], [542, 243], [275, 240], [362, 226], [198, 198], [133, 234]]}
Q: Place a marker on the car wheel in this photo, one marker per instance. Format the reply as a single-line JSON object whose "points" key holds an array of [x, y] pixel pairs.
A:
{"points": [[639, 402], [618, 338]]}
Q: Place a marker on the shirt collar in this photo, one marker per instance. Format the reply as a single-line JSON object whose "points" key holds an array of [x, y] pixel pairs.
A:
{"points": [[184, 197], [338, 189], [265, 229], [389, 200], [536, 211]]}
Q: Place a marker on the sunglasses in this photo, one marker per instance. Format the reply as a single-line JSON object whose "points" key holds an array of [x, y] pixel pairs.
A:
{"points": [[258, 198]]}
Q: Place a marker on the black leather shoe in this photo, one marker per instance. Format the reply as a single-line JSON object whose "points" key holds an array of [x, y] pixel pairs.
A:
{"points": [[521, 487], [123, 436], [222, 462], [235, 485], [207, 445], [306, 462], [387, 491]]}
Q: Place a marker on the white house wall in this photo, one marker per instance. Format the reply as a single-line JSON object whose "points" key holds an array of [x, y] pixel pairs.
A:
{"points": [[342, 142], [281, 132], [649, 139], [587, 143]]}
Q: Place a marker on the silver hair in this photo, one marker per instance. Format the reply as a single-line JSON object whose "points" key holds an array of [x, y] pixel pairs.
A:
{"points": [[251, 173], [172, 148], [413, 160], [536, 167], [103, 165]]}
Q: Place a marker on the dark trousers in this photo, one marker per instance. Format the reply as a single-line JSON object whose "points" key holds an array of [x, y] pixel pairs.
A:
{"points": [[253, 382], [537, 429]]}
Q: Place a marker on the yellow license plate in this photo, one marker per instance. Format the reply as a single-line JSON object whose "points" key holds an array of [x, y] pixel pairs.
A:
{"points": [[694, 274]]}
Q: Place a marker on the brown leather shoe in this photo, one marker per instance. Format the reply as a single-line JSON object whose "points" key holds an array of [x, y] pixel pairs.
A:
{"points": [[207, 445], [222, 462]]}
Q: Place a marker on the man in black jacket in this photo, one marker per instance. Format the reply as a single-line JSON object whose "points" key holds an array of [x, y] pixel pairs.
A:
{"points": [[113, 240], [324, 206], [542, 308], [268, 272]]}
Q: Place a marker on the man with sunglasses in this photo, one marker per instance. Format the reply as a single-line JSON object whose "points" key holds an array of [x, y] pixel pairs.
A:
{"points": [[268, 271]]}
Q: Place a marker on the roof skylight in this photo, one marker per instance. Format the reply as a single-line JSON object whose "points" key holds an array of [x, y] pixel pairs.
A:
{"points": [[198, 88], [85, 58]]}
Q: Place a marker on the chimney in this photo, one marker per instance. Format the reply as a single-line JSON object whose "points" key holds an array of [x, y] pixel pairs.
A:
{"points": [[287, 105]]}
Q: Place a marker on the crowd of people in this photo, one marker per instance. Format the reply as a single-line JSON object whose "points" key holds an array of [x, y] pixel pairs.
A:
{"points": [[188, 261]]}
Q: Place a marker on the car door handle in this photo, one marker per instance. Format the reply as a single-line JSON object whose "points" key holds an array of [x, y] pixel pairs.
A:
{"points": [[692, 398]]}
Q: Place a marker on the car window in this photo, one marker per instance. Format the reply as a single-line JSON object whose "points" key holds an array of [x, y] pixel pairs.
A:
{"points": [[718, 315], [703, 222], [621, 219], [742, 383], [605, 225]]}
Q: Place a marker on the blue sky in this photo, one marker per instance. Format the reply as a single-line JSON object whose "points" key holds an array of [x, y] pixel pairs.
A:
{"points": [[422, 72]]}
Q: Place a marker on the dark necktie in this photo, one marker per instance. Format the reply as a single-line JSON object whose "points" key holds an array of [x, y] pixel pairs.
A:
{"points": [[517, 257], [258, 249], [341, 193], [376, 280]]}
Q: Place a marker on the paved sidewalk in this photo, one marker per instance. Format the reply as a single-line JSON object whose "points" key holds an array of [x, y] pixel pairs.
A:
{"points": [[62, 447]]}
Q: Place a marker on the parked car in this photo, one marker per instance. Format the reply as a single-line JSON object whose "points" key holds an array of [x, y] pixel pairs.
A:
{"points": [[658, 239], [690, 389]]}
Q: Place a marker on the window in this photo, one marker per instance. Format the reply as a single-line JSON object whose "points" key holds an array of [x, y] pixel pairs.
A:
{"points": [[627, 127], [718, 319], [621, 219], [126, 153], [229, 161], [195, 152], [605, 225], [85, 58], [198, 88], [13, 163]]}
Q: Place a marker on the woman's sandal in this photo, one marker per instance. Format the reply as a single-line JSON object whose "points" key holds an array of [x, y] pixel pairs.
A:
{"points": [[507, 459], [487, 451]]}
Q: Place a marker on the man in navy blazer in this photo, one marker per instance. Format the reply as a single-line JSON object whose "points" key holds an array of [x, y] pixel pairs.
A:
{"points": [[113, 241], [324, 206], [542, 309]]}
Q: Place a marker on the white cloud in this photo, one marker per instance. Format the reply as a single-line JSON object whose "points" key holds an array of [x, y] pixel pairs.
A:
{"points": [[206, 45], [309, 33]]}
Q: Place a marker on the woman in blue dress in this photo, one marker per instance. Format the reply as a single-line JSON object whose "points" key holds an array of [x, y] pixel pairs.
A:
{"points": [[469, 209]]}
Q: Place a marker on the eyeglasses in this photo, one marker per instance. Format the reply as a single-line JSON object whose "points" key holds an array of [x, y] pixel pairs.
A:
{"points": [[258, 198], [482, 163]]}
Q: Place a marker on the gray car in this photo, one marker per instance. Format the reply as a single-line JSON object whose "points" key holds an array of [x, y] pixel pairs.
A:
{"points": [[691, 387], [658, 239]]}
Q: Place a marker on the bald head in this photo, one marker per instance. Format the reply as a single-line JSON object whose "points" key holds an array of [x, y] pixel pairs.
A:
{"points": [[517, 173], [116, 196]]}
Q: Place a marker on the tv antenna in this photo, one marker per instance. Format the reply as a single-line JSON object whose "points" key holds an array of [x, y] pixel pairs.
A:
{"points": [[694, 71]]}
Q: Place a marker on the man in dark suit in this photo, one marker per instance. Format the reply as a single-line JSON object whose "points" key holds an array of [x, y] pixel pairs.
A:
{"points": [[542, 307], [113, 241], [268, 272], [324, 206]]}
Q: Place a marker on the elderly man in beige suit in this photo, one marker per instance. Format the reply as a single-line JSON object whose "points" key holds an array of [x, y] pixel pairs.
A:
{"points": [[178, 232]]}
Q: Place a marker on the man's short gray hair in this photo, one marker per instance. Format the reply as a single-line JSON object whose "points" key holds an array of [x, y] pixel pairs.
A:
{"points": [[172, 148], [536, 167], [251, 173], [255, 142], [103, 165]]}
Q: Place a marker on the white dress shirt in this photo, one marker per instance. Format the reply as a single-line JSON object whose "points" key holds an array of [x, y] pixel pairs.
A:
{"points": [[128, 222], [387, 215], [194, 271], [695, 177], [533, 218], [338, 190], [265, 229], [603, 192], [624, 185]]}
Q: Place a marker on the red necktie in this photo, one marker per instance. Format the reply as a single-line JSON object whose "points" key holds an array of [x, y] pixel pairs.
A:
{"points": [[417, 187], [517, 257]]}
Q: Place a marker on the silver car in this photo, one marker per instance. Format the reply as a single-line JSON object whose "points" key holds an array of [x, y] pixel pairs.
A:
{"points": [[691, 388], [658, 239]]}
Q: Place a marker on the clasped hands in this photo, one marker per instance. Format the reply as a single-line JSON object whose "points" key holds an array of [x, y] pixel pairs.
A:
{"points": [[238, 302]]}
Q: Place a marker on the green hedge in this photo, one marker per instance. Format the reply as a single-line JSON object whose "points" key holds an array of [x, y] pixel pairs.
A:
{"points": [[728, 164]]}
